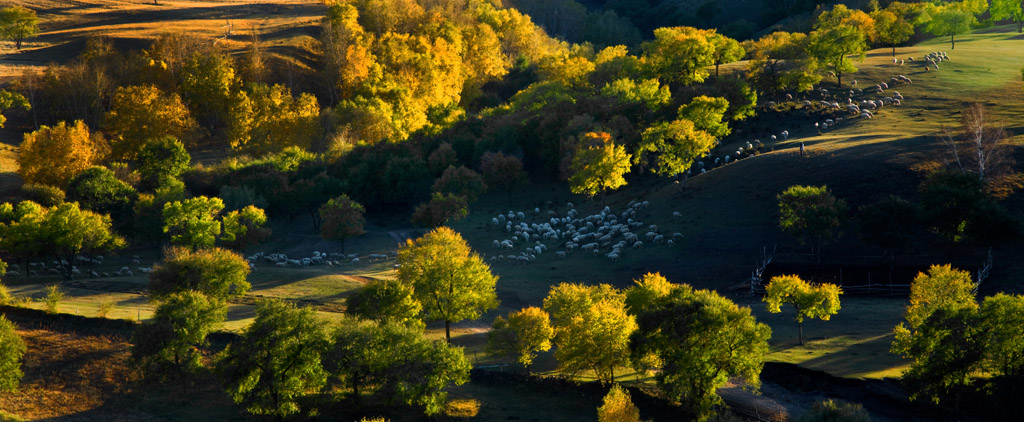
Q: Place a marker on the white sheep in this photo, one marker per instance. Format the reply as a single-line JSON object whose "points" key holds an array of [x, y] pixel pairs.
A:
{"points": [[639, 244]]}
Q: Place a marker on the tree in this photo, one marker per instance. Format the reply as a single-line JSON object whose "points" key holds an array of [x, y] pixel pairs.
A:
{"points": [[780, 61], [618, 407], [979, 146], [54, 155], [45, 195], [441, 209], [809, 301], [525, 333], [451, 281], [707, 114], [164, 156], [892, 28], [503, 172], [957, 208], [207, 80], [700, 340], [396, 361], [193, 222], [441, 158], [18, 23], [592, 328], [674, 145], [144, 112], [98, 189], [9, 100], [943, 334], [680, 54], [1003, 315], [218, 273], [1008, 9], [276, 360], [341, 218], [727, 50], [461, 181], [598, 166], [12, 348], [385, 301], [891, 224], [811, 214], [244, 227], [646, 291], [169, 344], [951, 20], [831, 46], [268, 119]]}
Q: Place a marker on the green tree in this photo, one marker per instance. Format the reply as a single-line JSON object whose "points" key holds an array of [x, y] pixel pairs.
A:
{"points": [[385, 301], [12, 348], [957, 208], [168, 345], [461, 181], [598, 166], [707, 114], [276, 361], [440, 210], [525, 333], [890, 224], [18, 23], [831, 46], [680, 54], [779, 61], [618, 407], [341, 218], [244, 227], [45, 195], [811, 214], [727, 50], [503, 172], [892, 28], [164, 156], [451, 281], [139, 114], [54, 155], [193, 222], [1003, 315], [422, 372], [951, 20], [809, 301], [700, 340], [592, 328], [943, 335], [646, 292], [674, 146], [218, 273], [9, 100], [98, 189], [1008, 9]]}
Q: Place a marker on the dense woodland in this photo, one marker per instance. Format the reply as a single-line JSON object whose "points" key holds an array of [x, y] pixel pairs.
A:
{"points": [[411, 110]]}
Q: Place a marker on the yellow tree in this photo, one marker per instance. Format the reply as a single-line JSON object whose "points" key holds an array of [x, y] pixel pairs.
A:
{"points": [[54, 155], [809, 301], [140, 113], [525, 333], [451, 281], [599, 166], [592, 328], [268, 119], [680, 54], [674, 146], [618, 407]]}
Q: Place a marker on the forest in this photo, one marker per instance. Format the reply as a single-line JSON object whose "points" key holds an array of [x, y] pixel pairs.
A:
{"points": [[507, 209]]}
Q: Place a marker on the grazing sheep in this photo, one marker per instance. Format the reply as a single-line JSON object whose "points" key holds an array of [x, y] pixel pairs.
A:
{"points": [[639, 244], [677, 236], [354, 261], [677, 215], [659, 239], [560, 254]]}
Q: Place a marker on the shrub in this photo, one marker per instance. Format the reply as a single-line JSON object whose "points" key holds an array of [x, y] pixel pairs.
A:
{"points": [[105, 308], [835, 411], [53, 298], [45, 195]]}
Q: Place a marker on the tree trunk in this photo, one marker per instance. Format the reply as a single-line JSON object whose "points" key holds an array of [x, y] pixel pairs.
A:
{"points": [[894, 50], [952, 42], [447, 331], [800, 331], [839, 78], [716, 70]]}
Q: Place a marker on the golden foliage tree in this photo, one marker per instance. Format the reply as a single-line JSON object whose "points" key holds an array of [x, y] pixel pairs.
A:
{"points": [[525, 333], [809, 301], [599, 166], [140, 113], [618, 407], [54, 155], [269, 119]]}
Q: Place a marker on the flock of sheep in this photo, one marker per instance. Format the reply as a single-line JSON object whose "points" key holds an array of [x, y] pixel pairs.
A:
{"points": [[604, 233], [329, 259], [55, 268]]}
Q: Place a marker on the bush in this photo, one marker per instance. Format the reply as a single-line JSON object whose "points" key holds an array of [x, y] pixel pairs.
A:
{"points": [[5, 296], [53, 298], [835, 411], [45, 195], [105, 308]]}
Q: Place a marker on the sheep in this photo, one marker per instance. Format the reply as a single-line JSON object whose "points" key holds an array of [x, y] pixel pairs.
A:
{"points": [[560, 254], [785, 135], [677, 215], [866, 114], [677, 235], [659, 239], [13, 274], [354, 261], [639, 244], [612, 255]]}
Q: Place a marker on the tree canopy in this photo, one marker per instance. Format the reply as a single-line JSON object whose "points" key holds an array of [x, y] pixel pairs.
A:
{"points": [[218, 273], [521, 336], [592, 328], [169, 344], [599, 165], [12, 348], [809, 301], [54, 155], [18, 23], [340, 219], [144, 112], [451, 281], [811, 214]]}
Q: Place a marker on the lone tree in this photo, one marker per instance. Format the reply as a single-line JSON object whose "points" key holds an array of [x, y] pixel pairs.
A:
{"points": [[525, 333], [618, 407], [277, 359], [503, 172], [809, 301], [700, 340], [451, 281], [440, 209], [218, 273], [18, 23], [953, 19], [12, 348], [599, 166], [340, 219], [831, 46], [978, 146], [811, 214], [592, 328], [892, 28], [168, 346]]}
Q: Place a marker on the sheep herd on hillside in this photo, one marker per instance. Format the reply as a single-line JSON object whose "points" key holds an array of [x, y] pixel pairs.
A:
{"points": [[604, 233]]}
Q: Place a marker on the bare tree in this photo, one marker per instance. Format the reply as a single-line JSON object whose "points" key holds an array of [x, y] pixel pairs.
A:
{"points": [[978, 146]]}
